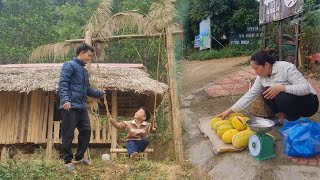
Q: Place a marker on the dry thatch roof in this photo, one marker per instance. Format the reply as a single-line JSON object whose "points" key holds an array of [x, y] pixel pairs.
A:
{"points": [[123, 77]]}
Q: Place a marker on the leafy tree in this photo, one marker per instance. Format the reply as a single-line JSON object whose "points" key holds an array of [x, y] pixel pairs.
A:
{"points": [[19, 19], [28, 24], [226, 15]]}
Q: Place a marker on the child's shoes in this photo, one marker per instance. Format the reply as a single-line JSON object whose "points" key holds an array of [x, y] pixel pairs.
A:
{"points": [[134, 155]]}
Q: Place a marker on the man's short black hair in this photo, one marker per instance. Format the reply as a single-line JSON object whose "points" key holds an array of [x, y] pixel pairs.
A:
{"points": [[148, 113], [85, 48]]}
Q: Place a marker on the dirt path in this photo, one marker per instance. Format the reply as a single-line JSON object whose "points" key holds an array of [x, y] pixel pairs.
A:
{"points": [[197, 104], [197, 74]]}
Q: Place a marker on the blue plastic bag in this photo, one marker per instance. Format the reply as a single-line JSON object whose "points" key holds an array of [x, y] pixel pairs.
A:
{"points": [[301, 137]]}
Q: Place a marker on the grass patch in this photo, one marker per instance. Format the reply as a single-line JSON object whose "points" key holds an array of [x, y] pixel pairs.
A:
{"points": [[230, 51], [119, 169]]}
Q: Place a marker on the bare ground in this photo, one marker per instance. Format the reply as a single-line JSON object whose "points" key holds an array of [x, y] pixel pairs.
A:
{"points": [[196, 104]]}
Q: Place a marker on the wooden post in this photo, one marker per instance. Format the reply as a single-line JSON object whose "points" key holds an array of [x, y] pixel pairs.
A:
{"points": [[4, 153], [265, 36], [280, 41], [88, 40], [176, 115], [50, 126], [114, 133], [298, 61]]}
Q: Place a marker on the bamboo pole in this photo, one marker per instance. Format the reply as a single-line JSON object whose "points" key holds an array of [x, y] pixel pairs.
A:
{"points": [[88, 40], [280, 41], [298, 58], [176, 115], [50, 126], [121, 37], [114, 134]]}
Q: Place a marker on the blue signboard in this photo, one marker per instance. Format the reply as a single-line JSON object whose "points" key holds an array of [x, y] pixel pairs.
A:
{"points": [[205, 34], [197, 42]]}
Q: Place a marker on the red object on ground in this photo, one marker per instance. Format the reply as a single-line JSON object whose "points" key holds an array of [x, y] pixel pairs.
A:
{"points": [[314, 58], [313, 161]]}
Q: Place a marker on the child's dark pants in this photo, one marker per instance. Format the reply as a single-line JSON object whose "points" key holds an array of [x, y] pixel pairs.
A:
{"points": [[137, 145]]}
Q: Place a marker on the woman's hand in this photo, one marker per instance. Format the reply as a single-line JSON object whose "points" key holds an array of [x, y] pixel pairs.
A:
{"points": [[273, 91], [225, 114]]}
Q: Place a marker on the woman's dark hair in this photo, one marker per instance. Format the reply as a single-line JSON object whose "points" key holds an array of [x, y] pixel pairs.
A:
{"points": [[148, 113], [263, 56], [85, 48]]}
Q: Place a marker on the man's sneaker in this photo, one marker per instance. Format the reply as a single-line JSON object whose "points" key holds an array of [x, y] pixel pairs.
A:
{"points": [[134, 155], [69, 167], [83, 161]]}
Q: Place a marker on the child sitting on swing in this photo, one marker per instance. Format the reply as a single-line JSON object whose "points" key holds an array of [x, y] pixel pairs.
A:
{"points": [[138, 129]]}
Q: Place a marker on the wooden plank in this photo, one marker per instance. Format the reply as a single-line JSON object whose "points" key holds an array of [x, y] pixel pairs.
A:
{"points": [[19, 117], [41, 116], [14, 116], [50, 126], [25, 118], [45, 118], [8, 118], [4, 153], [7, 108], [104, 132], [109, 132], [114, 133], [37, 117], [117, 150], [91, 137], [31, 117], [97, 131], [3, 115], [2, 100], [56, 131]]}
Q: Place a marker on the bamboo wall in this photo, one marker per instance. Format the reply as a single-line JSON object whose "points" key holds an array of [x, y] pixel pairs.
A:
{"points": [[24, 117], [28, 118]]}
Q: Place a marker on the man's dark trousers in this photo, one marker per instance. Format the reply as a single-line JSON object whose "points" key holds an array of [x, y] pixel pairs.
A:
{"points": [[70, 120]]}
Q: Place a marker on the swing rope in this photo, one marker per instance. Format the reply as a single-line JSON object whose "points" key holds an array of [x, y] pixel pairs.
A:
{"points": [[153, 122], [105, 96]]}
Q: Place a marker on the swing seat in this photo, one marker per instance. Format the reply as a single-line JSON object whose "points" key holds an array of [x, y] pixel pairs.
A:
{"points": [[124, 152]]}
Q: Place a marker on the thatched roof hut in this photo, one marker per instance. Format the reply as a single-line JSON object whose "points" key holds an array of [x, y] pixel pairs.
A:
{"points": [[29, 100]]}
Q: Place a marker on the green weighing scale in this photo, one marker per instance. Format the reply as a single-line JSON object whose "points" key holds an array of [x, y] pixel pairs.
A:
{"points": [[261, 146]]}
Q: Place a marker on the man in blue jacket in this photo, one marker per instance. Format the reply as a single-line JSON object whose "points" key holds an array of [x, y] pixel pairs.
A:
{"points": [[74, 87]]}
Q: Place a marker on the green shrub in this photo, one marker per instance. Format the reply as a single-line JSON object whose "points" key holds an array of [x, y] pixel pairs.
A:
{"points": [[230, 51]]}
